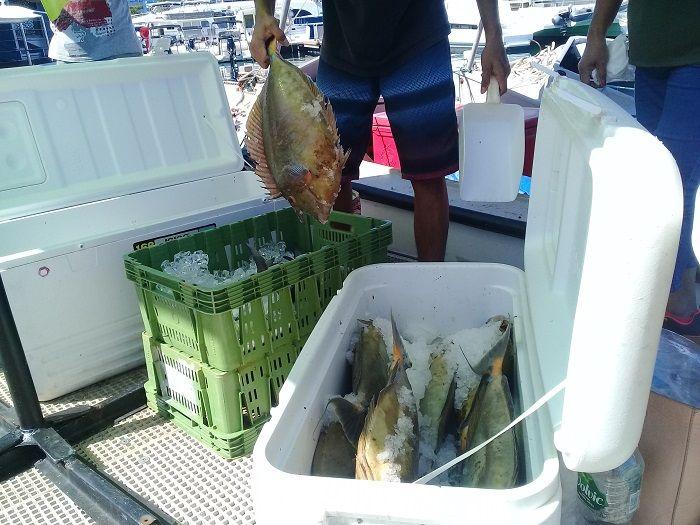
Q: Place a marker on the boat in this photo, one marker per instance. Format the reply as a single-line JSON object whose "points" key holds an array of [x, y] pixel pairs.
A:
{"points": [[24, 36], [575, 22], [99, 455]]}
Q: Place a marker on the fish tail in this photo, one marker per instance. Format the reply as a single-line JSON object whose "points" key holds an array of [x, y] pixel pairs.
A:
{"points": [[350, 416]]}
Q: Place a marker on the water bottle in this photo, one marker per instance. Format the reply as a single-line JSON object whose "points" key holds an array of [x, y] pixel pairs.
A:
{"points": [[611, 497]]}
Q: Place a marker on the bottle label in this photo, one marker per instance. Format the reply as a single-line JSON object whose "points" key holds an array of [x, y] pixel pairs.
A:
{"points": [[634, 502], [589, 493]]}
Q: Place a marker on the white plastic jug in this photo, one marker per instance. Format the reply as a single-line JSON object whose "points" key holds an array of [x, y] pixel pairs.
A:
{"points": [[492, 149]]}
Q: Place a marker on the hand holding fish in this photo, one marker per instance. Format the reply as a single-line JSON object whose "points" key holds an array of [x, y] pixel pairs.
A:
{"points": [[266, 28]]}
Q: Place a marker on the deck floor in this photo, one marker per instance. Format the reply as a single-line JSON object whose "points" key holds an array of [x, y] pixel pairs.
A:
{"points": [[145, 453]]}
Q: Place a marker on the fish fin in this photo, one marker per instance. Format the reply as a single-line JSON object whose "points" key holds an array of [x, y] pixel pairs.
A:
{"points": [[356, 367], [256, 147], [398, 351], [498, 350], [345, 155], [327, 108], [350, 416], [260, 262]]}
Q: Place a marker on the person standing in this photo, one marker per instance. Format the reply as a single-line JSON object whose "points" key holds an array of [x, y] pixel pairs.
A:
{"points": [[90, 30], [398, 49], [664, 47]]}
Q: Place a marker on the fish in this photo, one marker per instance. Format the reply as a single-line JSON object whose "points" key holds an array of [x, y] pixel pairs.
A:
{"points": [[370, 373], [438, 400], [387, 448], [292, 136], [370, 367], [334, 456], [496, 465]]}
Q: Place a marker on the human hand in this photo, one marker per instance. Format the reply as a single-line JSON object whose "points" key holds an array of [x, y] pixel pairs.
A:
{"points": [[595, 57], [494, 63], [266, 27]]}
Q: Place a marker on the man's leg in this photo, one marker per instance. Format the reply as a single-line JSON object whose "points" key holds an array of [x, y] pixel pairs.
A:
{"points": [[431, 218], [420, 103], [344, 200], [678, 127], [353, 100]]}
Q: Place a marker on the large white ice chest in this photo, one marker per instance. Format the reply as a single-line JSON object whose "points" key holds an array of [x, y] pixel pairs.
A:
{"points": [[603, 229], [95, 160]]}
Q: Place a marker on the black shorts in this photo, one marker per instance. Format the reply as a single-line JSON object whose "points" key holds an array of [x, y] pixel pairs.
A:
{"points": [[420, 102]]}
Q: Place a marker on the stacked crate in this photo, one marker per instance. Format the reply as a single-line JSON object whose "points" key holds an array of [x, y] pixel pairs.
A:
{"points": [[217, 357]]}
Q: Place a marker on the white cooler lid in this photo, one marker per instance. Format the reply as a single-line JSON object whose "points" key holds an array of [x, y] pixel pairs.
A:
{"points": [[602, 234], [77, 133]]}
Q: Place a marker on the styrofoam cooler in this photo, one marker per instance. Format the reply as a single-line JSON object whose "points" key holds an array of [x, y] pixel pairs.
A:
{"points": [[95, 160], [603, 229]]}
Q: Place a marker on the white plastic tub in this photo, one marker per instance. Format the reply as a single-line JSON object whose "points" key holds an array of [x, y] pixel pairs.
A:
{"points": [[95, 160], [603, 228], [468, 295]]}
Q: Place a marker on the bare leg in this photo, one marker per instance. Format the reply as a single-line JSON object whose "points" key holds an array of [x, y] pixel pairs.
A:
{"points": [[431, 219], [344, 201], [682, 302]]}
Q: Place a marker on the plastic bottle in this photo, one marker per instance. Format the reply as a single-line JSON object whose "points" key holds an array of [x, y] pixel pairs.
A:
{"points": [[611, 497]]}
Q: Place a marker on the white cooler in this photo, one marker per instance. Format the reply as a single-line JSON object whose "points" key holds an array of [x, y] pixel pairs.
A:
{"points": [[95, 160], [602, 235]]}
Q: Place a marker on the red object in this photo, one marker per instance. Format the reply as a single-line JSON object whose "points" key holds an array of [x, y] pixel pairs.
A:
{"points": [[531, 116], [145, 33], [383, 148], [383, 145]]}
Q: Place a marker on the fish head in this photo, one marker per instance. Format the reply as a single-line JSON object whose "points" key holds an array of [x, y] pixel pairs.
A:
{"points": [[313, 189]]}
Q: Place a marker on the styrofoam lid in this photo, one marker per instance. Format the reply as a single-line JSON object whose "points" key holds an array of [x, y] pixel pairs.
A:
{"points": [[77, 133], [602, 234]]}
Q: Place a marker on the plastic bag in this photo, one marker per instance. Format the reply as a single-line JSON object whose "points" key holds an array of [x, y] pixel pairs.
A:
{"points": [[619, 68], [677, 370], [53, 7]]}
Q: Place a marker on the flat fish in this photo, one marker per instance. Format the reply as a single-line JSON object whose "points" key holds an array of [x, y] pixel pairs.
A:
{"points": [[293, 138]]}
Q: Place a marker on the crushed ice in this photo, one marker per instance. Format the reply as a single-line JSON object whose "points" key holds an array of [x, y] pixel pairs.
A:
{"points": [[193, 267]]}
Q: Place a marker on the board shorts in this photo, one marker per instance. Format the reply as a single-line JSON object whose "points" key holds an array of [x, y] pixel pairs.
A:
{"points": [[419, 97]]}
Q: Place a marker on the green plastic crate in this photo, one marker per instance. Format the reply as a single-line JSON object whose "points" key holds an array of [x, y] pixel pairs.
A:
{"points": [[224, 410], [237, 446], [272, 312]]}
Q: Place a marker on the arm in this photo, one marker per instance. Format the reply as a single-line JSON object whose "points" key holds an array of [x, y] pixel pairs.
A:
{"points": [[494, 61], [266, 27], [596, 54]]}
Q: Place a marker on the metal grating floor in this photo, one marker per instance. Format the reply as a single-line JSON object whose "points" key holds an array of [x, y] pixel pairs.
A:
{"points": [[90, 395], [173, 471], [31, 499]]}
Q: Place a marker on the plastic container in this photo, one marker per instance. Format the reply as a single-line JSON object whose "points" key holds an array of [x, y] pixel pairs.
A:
{"points": [[96, 159], [531, 115], [384, 149], [221, 409], [491, 149], [205, 403], [603, 229], [275, 310]]}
